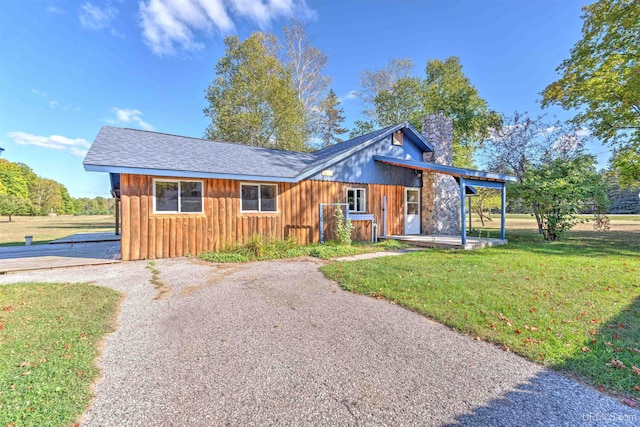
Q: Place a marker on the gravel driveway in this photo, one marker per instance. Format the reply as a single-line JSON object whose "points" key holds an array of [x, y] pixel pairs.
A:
{"points": [[276, 343]]}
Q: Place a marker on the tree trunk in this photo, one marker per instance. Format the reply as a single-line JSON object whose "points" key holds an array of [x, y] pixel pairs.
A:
{"points": [[538, 220]]}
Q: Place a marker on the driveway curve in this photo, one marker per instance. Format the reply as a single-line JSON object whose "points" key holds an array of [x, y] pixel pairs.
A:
{"points": [[276, 343]]}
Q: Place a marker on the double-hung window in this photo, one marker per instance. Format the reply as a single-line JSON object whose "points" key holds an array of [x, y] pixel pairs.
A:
{"points": [[356, 199], [259, 197], [177, 196]]}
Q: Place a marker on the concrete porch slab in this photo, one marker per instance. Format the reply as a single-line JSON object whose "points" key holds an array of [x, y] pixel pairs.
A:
{"points": [[445, 241]]}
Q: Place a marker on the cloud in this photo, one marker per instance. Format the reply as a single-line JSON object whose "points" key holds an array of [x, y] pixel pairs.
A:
{"points": [[55, 9], [170, 24], [95, 17], [53, 104], [129, 116], [55, 142], [353, 94], [37, 92], [582, 132], [78, 152]]}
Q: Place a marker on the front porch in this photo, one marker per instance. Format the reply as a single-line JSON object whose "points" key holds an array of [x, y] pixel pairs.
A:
{"points": [[446, 242]]}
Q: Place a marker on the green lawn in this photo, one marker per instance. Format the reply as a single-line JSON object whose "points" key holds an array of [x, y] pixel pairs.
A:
{"points": [[50, 336], [572, 305]]}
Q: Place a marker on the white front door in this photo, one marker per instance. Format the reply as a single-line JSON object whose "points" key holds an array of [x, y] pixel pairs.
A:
{"points": [[411, 210]]}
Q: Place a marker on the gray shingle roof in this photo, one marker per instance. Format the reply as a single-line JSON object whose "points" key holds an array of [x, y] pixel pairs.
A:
{"points": [[120, 149]]}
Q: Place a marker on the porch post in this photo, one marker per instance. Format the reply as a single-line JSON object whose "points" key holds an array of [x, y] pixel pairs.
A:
{"points": [[321, 224], [503, 211], [384, 216], [463, 198]]}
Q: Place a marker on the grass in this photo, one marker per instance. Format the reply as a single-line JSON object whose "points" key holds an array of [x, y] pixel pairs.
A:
{"points": [[259, 249], [50, 336], [44, 229], [573, 305]]}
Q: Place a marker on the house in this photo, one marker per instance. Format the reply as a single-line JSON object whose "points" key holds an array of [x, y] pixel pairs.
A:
{"points": [[178, 195]]}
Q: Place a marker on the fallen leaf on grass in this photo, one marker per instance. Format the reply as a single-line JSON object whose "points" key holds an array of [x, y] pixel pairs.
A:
{"points": [[636, 370], [615, 363], [7, 308], [586, 349], [601, 389], [636, 388]]}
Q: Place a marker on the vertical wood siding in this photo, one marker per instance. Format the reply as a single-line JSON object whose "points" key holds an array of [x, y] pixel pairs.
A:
{"points": [[146, 235]]}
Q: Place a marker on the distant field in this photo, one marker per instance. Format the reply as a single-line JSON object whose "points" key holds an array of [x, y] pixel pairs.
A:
{"points": [[619, 223], [44, 229]]}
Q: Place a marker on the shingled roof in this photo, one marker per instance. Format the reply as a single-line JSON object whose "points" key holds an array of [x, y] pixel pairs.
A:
{"points": [[122, 150]]}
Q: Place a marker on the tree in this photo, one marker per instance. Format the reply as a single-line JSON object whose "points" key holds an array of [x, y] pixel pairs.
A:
{"points": [[14, 179], [401, 102], [448, 89], [559, 190], [374, 82], [396, 97], [602, 79], [362, 127], [331, 120], [46, 195], [13, 205], [252, 101], [486, 200], [521, 142], [306, 64]]}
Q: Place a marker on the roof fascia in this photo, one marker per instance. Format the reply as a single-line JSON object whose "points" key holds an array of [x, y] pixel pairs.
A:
{"points": [[184, 174]]}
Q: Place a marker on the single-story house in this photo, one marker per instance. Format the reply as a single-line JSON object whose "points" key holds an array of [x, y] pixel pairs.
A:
{"points": [[178, 196]]}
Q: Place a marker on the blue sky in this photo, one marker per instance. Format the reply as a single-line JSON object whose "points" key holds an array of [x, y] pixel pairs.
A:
{"points": [[69, 67]]}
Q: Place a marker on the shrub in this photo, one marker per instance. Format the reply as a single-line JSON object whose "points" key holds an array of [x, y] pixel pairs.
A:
{"points": [[343, 228]]}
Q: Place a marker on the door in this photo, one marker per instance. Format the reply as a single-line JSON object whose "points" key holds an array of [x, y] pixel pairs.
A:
{"points": [[411, 210]]}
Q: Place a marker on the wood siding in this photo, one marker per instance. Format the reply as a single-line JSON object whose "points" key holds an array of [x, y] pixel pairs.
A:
{"points": [[146, 235]]}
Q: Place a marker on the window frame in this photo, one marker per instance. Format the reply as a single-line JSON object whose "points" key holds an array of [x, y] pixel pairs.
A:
{"points": [[364, 199], [259, 185], [179, 211]]}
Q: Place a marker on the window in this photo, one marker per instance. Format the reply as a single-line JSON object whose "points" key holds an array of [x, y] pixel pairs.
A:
{"points": [[356, 198], [259, 197], [177, 196]]}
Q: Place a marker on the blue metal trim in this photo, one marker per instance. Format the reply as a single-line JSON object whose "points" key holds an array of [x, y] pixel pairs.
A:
{"points": [[479, 176], [184, 174], [486, 184], [463, 213], [349, 153], [503, 213]]}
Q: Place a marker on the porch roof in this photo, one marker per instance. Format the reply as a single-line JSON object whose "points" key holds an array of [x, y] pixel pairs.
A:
{"points": [[467, 174]]}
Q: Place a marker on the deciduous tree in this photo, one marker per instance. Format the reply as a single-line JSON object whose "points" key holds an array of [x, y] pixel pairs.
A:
{"points": [[307, 64], [601, 79], [252, 101], [559, 190]]}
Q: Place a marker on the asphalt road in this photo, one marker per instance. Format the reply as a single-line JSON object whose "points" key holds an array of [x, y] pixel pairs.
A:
{"points": [[275, 343]]}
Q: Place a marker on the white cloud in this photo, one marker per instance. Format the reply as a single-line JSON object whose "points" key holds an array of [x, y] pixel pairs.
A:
{"points": [[78, 152], [353, 94], [37, 92], [129, 116], [95, 17], [55, 9], [53, 104], [582, 132], [170, 24], [55, 142]]}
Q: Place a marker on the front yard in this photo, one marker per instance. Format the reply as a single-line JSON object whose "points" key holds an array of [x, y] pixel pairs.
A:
{"points": [[50, 336], [571, 305]]}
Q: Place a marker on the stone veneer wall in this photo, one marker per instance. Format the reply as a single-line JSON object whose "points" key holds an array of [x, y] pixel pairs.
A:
{"points": [[440, 193]]}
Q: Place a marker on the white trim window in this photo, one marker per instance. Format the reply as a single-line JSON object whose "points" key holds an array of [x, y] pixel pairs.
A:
{"points": [[173, 196], [258, 198], [356, 199]]}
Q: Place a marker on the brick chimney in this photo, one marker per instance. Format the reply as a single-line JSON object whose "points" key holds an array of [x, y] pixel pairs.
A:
{"points": [[440, 193]]}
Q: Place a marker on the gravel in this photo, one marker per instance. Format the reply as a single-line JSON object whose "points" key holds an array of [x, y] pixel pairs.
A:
{"points": [[275, 343]]}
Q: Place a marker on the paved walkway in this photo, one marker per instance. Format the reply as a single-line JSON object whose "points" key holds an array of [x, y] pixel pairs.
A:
{"points": [[275, 343]]}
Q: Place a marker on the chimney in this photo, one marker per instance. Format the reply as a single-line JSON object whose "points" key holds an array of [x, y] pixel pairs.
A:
{"points": [[440, 193]]}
